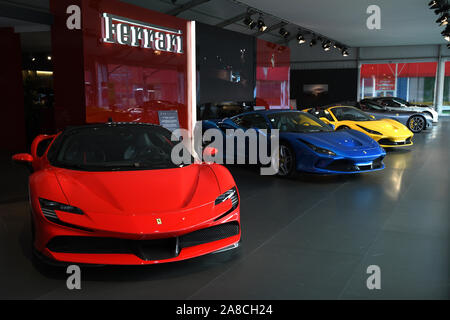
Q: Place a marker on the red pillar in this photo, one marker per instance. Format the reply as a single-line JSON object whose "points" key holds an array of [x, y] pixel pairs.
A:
{"points": [[12, 128]]}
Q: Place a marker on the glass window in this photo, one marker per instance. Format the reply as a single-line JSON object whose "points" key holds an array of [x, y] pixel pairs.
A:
{"points": [[114, 148], [370, 106], [446, 98], [412, 82], [251, 121], [42, 146], [350, 114], [320, 113], [297, 122]]}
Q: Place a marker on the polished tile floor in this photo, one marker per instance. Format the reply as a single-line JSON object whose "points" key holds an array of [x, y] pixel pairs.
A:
{"points": [[308, 238]]}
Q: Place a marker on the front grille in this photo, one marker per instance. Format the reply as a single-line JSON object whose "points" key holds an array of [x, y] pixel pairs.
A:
{"points": [[378, 163], [341, 165], [211, 234], [387, 142], [347, 165], [156, 249]]}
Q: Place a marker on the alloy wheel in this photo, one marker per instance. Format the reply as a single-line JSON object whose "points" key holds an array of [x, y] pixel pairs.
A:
{"points": [[416, 124], [286, 161]]}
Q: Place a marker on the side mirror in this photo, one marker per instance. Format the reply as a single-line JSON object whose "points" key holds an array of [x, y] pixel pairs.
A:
{"points": [[22, 158]]}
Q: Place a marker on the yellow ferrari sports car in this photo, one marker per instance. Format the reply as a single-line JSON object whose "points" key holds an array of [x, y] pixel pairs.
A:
{"points": [[387, 132]]}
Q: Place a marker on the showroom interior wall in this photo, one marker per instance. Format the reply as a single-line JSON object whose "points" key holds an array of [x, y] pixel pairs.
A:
{"points": [[305, 58], [236, 71], [100, 75], [272, 90], [13, 125]]}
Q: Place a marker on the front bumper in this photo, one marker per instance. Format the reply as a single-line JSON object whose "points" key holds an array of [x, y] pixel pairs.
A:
{"points": [[340, 165], [435, 116], [70, 244], [394, 142]]}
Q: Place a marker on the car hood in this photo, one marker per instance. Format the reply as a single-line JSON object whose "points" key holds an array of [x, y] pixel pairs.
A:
{"points": [[140, 191], [343, 140], [385, 127]]}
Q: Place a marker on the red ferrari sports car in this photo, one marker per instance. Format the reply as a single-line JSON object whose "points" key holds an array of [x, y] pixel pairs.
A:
{"points": [[110, 194]]}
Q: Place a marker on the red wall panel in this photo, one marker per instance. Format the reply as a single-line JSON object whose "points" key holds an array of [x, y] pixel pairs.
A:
{"points": [[119, 81], [272, 75]]}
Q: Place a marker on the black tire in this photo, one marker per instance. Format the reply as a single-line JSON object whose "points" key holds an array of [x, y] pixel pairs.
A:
{"points": [[416, 123], [287, 168], [343, 128]]}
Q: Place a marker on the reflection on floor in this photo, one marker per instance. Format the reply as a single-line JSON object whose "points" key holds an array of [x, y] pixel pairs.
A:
{"points": [[312, 237]]}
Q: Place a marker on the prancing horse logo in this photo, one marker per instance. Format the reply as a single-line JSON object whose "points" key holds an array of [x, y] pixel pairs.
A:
{"points": [[158, 221]]}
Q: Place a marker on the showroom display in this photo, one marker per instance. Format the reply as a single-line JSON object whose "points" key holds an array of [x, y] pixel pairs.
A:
{"points": [[398, 104], [387, 132], [226, 158], [110, 194], [415, 121], [308, 144]]}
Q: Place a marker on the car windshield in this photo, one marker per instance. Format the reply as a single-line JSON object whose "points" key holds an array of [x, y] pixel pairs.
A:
{"points": [[373, 106], [350, 114], [297, 122], [401, 101], [114, 148]]}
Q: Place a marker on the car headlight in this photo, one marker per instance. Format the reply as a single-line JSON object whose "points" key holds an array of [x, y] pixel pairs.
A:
{"points": [[370, 131], [319, 149], [48, 208], [230, 194]]}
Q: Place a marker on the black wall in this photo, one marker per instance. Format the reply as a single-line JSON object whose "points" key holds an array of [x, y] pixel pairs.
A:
{"points": [[342, 86], [226, 64]]}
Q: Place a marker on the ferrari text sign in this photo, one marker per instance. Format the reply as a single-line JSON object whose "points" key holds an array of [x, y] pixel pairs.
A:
{"points": [[135, 33]]}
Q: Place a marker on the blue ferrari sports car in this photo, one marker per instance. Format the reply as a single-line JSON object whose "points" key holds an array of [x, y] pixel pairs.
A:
{"points": [[308, 144]]}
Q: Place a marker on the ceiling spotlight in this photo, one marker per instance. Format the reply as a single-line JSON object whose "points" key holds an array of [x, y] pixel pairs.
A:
{"points": [[33, 59], [300, 38], [249, 22], [338, 46], [448, 46], [284, 33], [326, 45], [345, 52], [446, 33], [433, 4], [49, 58], [313, 42], [261, 25], [443, 19]]}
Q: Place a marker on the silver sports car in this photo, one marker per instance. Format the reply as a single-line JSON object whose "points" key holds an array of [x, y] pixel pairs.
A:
{"points": [[415, 121], [398, 104]]}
